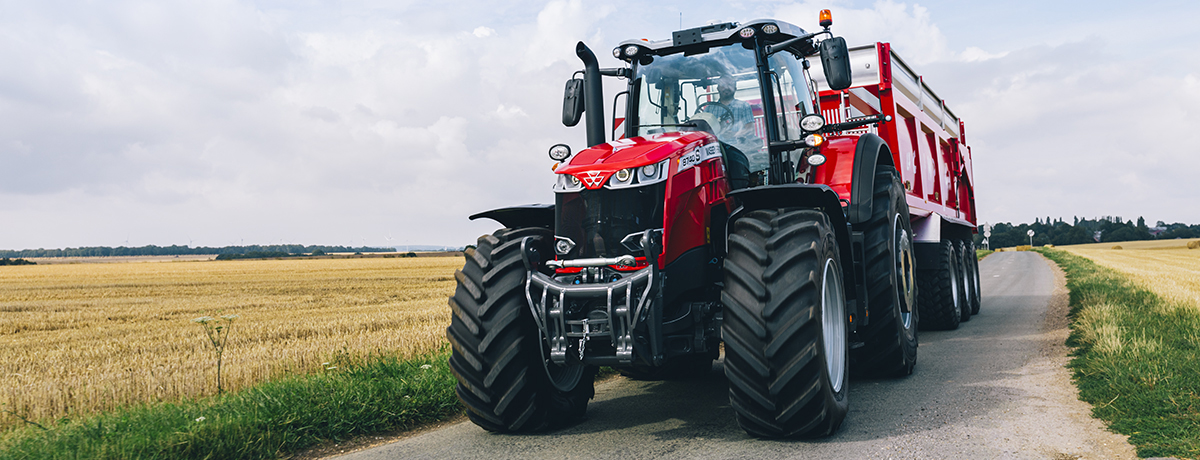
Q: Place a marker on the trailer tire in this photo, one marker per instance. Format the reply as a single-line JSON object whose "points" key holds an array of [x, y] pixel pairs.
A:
{"points": [[497, 348], [938, 300], [785, 327], [890, 339], [976, 287], [964, 284]]}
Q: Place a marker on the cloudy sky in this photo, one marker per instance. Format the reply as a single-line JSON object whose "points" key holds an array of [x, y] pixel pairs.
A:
{"points": [[388, 122]]}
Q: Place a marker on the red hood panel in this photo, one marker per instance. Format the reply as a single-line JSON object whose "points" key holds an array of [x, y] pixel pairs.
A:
{"points": [[620, 154]]}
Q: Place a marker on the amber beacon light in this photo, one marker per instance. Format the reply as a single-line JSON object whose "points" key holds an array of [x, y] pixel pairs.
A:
{"points": [[826, 19]]}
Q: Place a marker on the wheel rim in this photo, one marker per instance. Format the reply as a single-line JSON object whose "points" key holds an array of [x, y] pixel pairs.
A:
{"points": [[905, 271], [833, 324]]}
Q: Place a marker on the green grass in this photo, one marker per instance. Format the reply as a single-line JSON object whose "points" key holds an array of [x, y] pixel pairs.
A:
{"points": [[1136, 358], [266, 421], [981, 253]]}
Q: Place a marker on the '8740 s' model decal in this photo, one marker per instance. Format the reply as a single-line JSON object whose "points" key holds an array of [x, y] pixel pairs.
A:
{"points": [[701, 154]]}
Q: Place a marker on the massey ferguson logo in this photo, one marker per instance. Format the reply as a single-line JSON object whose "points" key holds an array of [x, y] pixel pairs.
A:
{"points": [[593, 179]]}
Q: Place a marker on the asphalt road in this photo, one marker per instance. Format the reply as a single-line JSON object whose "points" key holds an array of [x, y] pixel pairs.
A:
{"points": [[994, 388]]}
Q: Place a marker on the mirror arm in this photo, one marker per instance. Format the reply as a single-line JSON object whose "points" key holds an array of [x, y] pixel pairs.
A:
{"points": [[617, 72], [772, 49]]}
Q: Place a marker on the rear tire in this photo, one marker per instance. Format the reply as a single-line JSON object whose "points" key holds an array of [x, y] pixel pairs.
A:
{"points": [[938, 299], [890, 340], [785, 326], [497, 350], [976, 289], [964, 284]]}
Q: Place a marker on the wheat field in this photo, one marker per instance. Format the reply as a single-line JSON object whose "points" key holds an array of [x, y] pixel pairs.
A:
{"points": [[1166, 267], [79, 338]]}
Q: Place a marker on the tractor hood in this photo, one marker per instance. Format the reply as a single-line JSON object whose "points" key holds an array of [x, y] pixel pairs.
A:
{"points": [[594, 166]]}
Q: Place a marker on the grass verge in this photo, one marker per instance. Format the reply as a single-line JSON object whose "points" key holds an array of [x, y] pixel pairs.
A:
{"points": [[1136, 358], [981, 253], [265, 421]]}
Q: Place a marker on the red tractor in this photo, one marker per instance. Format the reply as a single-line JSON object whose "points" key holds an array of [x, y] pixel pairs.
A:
{"points": [[740, 202]]}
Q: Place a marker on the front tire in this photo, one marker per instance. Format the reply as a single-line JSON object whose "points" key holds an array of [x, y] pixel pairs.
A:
{"points": [[497, 356], [785, 326], [938, 299], [890, 340]]}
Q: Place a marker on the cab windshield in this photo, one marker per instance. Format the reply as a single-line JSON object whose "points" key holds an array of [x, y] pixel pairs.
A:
{"points": [[719, 87]]}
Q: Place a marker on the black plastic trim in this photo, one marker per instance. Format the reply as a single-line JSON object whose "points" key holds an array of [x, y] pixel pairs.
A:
{"points": [[529, 215]]}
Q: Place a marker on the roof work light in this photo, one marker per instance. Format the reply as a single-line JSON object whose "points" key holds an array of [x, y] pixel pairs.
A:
{"points": [[826, 19]]}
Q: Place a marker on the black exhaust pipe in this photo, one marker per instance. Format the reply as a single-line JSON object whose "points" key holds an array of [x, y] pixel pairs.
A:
{"points": [[593, 96]]}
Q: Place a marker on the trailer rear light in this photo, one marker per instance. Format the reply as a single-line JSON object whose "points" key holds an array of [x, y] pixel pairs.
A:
{"points": [[812, 123], [826, 19], [747, 32], [813, 140], [770, 29], [816, 159]]}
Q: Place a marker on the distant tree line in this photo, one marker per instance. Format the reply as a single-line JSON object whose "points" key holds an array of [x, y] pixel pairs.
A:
{"points": [[1106, 229], [176, 250], [7, 261]]}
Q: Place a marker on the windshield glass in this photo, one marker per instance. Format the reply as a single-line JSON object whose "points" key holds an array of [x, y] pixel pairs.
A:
{"points": [[719, 87]]}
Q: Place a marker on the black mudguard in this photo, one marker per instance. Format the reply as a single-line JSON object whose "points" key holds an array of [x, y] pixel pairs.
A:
{"points": [[530, 215]]}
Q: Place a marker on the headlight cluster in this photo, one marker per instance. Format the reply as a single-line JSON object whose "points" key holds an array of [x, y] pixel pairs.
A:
{"points": [[749, 32], [567, 183], [812, 123], [637, 177]]}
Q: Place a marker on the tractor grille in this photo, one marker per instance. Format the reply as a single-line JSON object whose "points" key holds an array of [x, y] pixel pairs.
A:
{"points": [[597, 220]]}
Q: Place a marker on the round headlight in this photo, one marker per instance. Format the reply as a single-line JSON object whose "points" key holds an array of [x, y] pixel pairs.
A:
{"points": [[813, 140], [747, 32], [631, 50], [623, 175], [617, 52], [816, 159], [650, 170], [560, 152], [574, 181], [812, 122], [770, 29]]}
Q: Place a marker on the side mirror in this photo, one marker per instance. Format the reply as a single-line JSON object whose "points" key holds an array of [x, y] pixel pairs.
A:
{"points": [[572, 102], [835, 60]]}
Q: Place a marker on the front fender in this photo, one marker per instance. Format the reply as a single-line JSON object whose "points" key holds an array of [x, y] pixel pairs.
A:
{"points": [[529, 215]]}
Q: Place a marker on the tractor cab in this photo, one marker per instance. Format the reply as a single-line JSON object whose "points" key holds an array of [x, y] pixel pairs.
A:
{"points": [[728, 80]]}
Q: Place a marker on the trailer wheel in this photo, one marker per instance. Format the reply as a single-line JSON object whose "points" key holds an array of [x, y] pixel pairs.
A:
{"points": [[785, 325], [497, 351], [890, 340], [976, 290], [964, 284], [938, 299]]}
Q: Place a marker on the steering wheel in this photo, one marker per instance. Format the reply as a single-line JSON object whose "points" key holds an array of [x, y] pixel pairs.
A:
{"points": [[725, 118]]}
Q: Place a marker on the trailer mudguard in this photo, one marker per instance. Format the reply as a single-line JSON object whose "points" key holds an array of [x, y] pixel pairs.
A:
{"points": [[802, 196], [870, 151], [529, 215]]}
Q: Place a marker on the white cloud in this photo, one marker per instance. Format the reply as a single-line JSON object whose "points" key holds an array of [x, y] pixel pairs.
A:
{"points": [[483, 32]]}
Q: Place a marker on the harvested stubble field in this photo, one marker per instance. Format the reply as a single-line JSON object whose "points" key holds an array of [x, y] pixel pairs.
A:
{"points": [[76, 339], [1168, 268]]}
